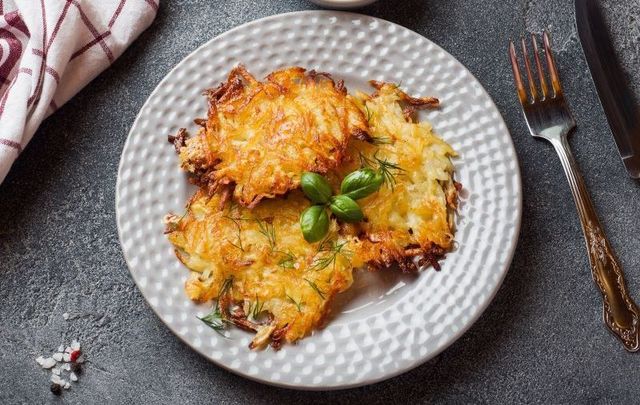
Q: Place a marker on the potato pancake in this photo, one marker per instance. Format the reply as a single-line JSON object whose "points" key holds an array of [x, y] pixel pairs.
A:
{"points": [[413, 212], [260, 136], [266, 277], [252, 257]]}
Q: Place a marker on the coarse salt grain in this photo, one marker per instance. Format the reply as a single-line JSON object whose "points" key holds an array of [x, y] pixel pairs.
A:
{"points": [[67, 385], [66, 357], [56, 371], [65, 316], [80, 359], [75, 345], [61, 348], [56, 379], [57, 356], [48, 362], [66, 366], [73, 377], [68, 349], [40, 360]]}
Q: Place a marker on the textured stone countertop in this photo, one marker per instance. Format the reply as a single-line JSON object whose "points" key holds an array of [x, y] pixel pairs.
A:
{"points": [[541, 340]]}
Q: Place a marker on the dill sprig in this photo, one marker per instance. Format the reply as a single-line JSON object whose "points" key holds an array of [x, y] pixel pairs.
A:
{"points": [[266, 228], [380, 140], [297, 304], [369, 112], [288, 261], [256, 309], [216, 320], [331, 250], [389, 170], [315, 288], [236, 222]]}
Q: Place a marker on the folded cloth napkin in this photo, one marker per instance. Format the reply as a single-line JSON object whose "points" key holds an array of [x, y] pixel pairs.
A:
{"points": [[49, 50]]}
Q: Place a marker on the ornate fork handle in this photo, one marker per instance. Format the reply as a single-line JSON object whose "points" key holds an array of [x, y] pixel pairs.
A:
{"points": [[621, 314]]}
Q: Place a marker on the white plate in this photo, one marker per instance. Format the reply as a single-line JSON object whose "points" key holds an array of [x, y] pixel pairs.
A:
{"points": [[387, 323], [343, 4]]}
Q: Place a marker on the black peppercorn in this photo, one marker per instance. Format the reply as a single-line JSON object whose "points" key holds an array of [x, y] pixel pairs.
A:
{"points": [[56, 389], [76, 368]]}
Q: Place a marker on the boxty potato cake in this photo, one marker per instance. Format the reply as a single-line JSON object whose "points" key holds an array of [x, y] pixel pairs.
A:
{"points": [[260, 136], [344, 182]]}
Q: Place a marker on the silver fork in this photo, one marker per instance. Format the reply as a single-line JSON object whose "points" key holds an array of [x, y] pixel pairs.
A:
{"points": [[548, 117]]}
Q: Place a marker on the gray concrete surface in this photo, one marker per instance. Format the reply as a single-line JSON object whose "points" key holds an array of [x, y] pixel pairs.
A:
{"points": [[541, 340]]}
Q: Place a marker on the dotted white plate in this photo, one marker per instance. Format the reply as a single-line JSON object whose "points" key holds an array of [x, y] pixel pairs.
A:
{"points": [[387, 323]]}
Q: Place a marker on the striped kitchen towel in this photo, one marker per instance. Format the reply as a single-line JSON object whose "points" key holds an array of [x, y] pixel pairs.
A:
{"points": [[49, 50]]}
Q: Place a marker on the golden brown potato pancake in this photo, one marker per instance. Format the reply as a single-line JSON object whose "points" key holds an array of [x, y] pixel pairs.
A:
{"points": [[260, 136], [273, 282], [413, 212]]}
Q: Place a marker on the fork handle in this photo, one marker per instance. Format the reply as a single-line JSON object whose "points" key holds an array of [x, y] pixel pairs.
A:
{"points": [[620, 313]]}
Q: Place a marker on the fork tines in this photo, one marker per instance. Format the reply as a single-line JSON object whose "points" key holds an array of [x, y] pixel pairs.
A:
{"points": [[535, 95]]}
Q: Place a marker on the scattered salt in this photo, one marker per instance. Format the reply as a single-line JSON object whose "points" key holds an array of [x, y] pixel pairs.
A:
{"points": [[65, 316], [61, 361], [48, 362]]}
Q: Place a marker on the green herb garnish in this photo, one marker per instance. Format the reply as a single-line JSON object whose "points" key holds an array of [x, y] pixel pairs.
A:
{"points": [[238, 244], [297, 304], [267, 229], [387, 169], [315, 288], [215, 319], [331, 250], [288, 260]]}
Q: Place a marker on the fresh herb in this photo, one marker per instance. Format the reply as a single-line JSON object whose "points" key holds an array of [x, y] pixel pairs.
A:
{"points": [[266, 228], [380, 140], [216, 320], [315, 187], [315, 288], [329, 251], [297, 304], [361, 183], [369, 113], [387, 169], [256, 310], [346, 209], [288, 261], [236, 222], [314, 223]]}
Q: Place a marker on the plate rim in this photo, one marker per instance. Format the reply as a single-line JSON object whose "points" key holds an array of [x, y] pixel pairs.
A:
{"points": [[418, 361]]}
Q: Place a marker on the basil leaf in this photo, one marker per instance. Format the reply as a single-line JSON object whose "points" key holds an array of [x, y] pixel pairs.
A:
{"points": [[361, 183], [346, 209], [315, 187], [314, 223]]}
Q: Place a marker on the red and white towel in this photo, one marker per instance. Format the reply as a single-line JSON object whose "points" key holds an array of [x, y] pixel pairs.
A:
{"points": [[49, 50]]}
